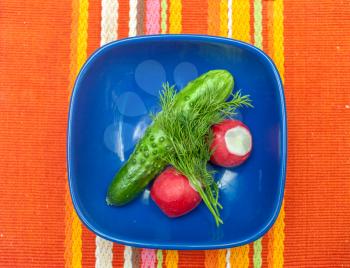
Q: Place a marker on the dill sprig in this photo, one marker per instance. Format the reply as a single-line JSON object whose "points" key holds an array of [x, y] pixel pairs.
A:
{"points": [[189, 132]]}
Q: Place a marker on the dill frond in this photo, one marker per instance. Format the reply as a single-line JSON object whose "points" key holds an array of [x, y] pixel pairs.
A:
{"points": [[190, 135]]}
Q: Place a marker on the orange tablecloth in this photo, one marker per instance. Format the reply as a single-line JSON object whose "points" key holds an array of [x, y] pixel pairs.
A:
{"points": [[44, 43]]}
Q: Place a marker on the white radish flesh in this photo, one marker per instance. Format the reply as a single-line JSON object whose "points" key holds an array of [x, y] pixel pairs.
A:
{"points": [[232, 143]]}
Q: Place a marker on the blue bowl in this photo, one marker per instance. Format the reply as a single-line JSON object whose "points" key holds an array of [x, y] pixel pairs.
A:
{"points": [[113, 95]]}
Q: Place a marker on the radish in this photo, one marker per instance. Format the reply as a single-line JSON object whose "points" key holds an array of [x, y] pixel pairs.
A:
{"points": [[232, 143], [173, 193]]}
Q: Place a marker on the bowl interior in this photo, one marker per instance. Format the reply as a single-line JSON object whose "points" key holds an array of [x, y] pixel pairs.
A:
{"points": [[113, 96]]}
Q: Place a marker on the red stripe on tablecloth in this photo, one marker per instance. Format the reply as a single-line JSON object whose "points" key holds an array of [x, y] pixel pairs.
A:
{"points": [[88, 248], [191, 258], [264, 253], [123, 19], [317, 198], [34, 68], [194, 16], [94, 29], [118, 255]]}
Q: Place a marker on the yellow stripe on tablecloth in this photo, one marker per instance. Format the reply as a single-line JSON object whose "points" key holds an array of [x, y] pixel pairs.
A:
{"points": [[275, 255], [76, 241], [278, 38], [221, 258], [171, 259], [175, 16], [276, 234], [241, 20], [215, 258], [82, 32], [240, 257], [69, 211], [213, 19], [223, 18], [73, 230]]}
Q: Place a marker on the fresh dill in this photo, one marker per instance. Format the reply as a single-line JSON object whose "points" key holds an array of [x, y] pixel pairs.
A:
{"points": [[189, 132]]}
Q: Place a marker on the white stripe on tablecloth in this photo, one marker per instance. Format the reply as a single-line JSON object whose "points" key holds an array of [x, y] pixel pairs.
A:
{"points": [[133, 18], [109, 21], [103, 253], [132, 32], [127, 257], [109, 33], [229, 20], [228, 256]]}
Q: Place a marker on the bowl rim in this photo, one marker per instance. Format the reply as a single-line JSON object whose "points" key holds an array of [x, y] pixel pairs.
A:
{"points": [[192, 38]]}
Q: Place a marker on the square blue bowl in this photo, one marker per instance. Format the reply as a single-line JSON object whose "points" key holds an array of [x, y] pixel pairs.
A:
{"points": [[113, 95]]}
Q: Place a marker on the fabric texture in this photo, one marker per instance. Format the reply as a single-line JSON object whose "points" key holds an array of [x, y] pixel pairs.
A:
{"points": [[45, 43]]}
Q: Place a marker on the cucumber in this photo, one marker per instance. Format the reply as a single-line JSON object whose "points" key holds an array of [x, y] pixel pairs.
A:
{"points": [[146, 160]]}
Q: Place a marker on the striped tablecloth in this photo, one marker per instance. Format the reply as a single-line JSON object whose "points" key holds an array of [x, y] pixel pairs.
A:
{"points": [[43, 44]]}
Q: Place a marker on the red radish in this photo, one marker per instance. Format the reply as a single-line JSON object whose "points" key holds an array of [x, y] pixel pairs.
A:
{"points": [[232, 143], [173, 194]]}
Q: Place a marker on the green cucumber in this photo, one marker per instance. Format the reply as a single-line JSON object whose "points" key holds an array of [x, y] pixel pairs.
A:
{"points": [[146, 160]]}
